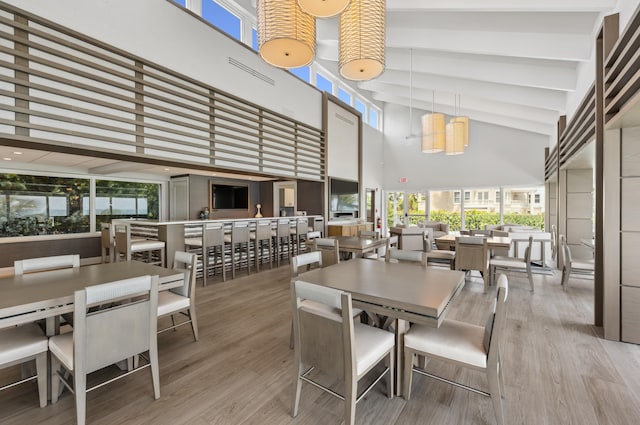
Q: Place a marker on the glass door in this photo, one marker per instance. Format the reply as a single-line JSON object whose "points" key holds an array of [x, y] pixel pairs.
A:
{"points": [[395, 208], [416, 208]]}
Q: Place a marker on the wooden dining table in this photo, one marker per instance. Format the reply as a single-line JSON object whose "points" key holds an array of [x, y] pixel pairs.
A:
{"points": [[494, 242], [45, 295], [405, 292], [359, 246]]}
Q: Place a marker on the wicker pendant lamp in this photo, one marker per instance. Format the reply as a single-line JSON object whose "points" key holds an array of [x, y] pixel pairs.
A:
{"points": [[362, 38], [457, 133], [286, 34], [433, 131], [323, 8]]}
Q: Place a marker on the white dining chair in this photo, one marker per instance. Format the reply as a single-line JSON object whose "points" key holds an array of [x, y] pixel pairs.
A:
{"points": [[181, 300], [463, 344], [571, 266], [330, 249], [124, 329], [126, 247], [41, 264], [513, 263], [23, 344], [329, 342], [438, 256], [405, 256]]}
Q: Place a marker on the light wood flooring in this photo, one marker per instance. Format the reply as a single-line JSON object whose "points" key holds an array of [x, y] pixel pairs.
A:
{"points": [[558, 370]]}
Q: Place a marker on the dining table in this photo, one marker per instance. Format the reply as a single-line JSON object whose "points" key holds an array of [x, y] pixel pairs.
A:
{"points": [[46, 295], [407, 293], [494, 242], [359, 245]]}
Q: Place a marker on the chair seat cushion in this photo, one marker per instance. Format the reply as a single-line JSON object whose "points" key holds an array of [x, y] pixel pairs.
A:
{"points": [[168, 303], [21, 342], [371, 344], [146, 245], [512, 262], [192, 241], [441, 254], [458, 341], [61, 346]]}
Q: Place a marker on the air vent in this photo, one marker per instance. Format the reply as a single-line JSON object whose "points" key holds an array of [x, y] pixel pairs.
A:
{"points": [[345, 119], [251, 71]]}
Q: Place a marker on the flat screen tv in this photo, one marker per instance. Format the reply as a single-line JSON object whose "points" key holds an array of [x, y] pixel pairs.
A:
{"points": [[344, 195], [228, 197]]}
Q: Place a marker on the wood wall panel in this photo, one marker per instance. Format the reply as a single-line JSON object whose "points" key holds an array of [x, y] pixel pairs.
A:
{"points": [[630, 205], [630, 314], [87, 247], [630, 266]]}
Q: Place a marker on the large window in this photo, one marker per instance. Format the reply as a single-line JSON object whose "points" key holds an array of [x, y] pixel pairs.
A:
{"points": [[360, 107], [303, 73], [524, 205], [481, 209], [222, 18], [344, 95], [323, 83], [41, 205], [444, 206], [38, 205]]}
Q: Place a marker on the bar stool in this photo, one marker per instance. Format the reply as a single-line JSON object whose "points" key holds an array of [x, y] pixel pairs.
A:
{"points": [[260, 236], [282, 236], [126, 247], [240, 236], [107, 242], [211, 243], [299, 234]]}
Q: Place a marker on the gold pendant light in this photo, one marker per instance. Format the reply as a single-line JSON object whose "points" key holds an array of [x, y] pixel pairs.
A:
{"points": [[323, 8], [286, 34], [433, 130], [465, 132], [455, 138], [362, 38]]}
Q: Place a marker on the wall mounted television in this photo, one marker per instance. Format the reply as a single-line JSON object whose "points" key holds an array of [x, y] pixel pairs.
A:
{"points": [[344, 195], [228, 197]]}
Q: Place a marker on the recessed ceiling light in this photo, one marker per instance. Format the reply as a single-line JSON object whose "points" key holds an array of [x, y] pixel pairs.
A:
{"points": [[166, 169], [17, 153], [7, 159]]}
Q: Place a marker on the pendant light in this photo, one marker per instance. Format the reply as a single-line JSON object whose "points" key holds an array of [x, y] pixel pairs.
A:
{"points": [[455, 135], [433, 130], [323, 8], [286, 34]]}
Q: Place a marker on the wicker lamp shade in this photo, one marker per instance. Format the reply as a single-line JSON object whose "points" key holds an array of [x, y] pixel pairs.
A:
{"points": [[455, 138], [362, 38], [465, 121], [286, 34], [323, 8], [433, 133]]}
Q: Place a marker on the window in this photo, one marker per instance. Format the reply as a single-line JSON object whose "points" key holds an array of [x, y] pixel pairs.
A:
{"points": [[119, 199], [344, 96], [480, 211], [456, 197], [254, 39], [360, 107], [39, 205], [324, 84], [444, 206], [303, 73], [518, 208], [497, 196], [467, 196], [536, 198], [182, 3], [222, 18], [373, 117]]}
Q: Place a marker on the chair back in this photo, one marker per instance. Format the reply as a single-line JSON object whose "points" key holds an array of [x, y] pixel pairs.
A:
{"points": [[314, 235], [554, 241], [307, 259], [471, 253], [263, 230], [240, 232], [34, 265], [122, 233], [403, 255], [465, 232], [125, 326], [284, 229], [499, 234], [302, 226], [372, 234], [329, 249], [106, 236], [480, 232], [318, 224], [495, 322], [527, 251], [323, 337], [212, 235], [566, 252], [186, 263]]}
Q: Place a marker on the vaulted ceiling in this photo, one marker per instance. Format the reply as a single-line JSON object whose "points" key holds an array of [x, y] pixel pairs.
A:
{"points": [[512, 62]]}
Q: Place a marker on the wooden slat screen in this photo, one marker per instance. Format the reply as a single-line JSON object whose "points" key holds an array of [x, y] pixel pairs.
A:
{"points": [[622, 69], [61, 88], [581, 129], [551, 163]]}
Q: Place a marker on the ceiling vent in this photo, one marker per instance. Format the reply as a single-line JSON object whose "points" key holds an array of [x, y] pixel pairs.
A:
{"points": [[249, 70]]}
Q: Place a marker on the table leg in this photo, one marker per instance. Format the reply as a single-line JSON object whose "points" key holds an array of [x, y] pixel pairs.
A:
{"points": [[402, 326]]}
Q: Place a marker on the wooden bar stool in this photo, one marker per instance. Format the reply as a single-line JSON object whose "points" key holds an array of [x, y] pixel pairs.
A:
{"points": [[299, 234], [210, 244], [261, 236], [241, 238], [126, 248], [282, 236]]}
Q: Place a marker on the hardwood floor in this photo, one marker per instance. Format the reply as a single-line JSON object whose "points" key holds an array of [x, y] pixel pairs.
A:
{"points": [[558, 370]]}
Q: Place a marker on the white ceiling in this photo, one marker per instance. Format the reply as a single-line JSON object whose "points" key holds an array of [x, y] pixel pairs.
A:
{"points": [[511, 61]]}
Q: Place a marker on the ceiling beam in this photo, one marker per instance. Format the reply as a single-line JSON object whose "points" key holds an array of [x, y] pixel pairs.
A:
{"points": [[503, 5]]}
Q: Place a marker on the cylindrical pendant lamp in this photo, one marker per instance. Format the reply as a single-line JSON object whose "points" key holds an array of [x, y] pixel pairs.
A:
{"points": [[465, 121], [455, 138], [286, 34], [323, 8], [433, 133], [362, 38]]}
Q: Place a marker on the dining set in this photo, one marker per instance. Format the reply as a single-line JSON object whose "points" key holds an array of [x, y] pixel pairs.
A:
{"points": [[75, 320]]}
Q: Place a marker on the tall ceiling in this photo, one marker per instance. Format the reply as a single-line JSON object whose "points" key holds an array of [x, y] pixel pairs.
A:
{"points": [[512, 62]]}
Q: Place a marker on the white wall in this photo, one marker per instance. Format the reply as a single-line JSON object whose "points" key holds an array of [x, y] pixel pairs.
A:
{"points": [[372, 163], [496, 156], [162, 33]]}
